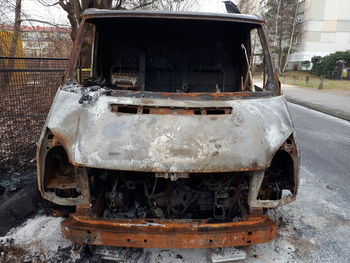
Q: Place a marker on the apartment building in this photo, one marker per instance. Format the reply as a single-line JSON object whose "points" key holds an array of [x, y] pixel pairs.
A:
{"points": [[38, 41], [323, 28]]}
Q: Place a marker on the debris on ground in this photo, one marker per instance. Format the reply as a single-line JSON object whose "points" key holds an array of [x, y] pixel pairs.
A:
{"points": [[37, 240]]}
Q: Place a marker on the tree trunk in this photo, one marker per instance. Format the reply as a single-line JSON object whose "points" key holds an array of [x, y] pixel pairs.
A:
{"points": [[277, 21], [291, 37], [14, 41]]}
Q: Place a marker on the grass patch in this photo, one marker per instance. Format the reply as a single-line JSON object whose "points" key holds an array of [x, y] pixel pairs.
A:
{"points": [[314, 81]]}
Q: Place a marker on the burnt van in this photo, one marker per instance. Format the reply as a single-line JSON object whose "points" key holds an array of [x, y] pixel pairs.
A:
{"points": [[159, 136]]}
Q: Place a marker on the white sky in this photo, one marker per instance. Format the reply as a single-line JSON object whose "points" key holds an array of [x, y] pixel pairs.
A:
{"points": [[35, 10], [215, 6], [55, 14]]}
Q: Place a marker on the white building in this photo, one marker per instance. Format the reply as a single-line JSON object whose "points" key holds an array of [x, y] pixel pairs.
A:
{"points": [[324, 28]]}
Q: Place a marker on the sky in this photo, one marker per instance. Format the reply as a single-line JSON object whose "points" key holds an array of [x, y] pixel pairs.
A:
{"points": [[215, 6], [56, 15]]}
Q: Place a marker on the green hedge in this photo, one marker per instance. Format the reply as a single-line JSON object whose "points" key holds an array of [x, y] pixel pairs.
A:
{"points": [[327, 66]]}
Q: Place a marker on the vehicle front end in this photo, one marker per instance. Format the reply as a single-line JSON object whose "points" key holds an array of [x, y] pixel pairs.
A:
{"points": [[175, 147]]}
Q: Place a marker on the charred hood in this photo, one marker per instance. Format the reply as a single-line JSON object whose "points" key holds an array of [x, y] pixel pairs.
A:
{"points": [[242, 134]]}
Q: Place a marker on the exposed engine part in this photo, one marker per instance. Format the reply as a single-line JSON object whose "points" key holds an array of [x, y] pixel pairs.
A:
{"points": [[219, 196], [172, 176], [125, 81]]}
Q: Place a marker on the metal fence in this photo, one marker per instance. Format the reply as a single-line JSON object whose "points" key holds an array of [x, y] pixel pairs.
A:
{"points": [[27, 88]]}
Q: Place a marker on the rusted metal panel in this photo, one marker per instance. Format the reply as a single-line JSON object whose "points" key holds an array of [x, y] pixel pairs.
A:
{"points": [[168, 233]]}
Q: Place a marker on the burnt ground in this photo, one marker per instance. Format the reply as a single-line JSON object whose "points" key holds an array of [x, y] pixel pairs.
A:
{"points": [[315, 228]]}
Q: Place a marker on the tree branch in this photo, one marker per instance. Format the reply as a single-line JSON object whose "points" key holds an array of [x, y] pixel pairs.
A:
{"points": [[85, 4], [42, 2], [44, 22], [71, 17], [77, 9], [145, 4]]}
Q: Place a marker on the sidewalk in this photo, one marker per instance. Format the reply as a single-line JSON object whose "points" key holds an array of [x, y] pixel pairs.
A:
{"points": [[330, 102]]}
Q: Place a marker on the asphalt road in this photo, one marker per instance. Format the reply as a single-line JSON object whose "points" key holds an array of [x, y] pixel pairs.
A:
{"points": [[315, 228], [324, 144]]}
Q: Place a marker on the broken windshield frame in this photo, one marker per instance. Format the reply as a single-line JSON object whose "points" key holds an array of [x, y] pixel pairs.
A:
{"points": [[271, 86]]}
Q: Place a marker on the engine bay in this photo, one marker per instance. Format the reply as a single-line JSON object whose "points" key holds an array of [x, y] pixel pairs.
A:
{"points": [[218, 197]]}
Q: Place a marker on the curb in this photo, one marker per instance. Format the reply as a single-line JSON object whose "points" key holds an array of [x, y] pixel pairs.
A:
{"points": [[320, 108]]}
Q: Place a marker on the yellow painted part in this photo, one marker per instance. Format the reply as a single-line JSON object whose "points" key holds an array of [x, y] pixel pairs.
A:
{"points": [[5, 45], [80, 76], [345, 73]]}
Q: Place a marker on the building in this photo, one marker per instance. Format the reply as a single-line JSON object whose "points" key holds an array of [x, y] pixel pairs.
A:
{"points": [[323, 28], [252, 6], [41, 41]]}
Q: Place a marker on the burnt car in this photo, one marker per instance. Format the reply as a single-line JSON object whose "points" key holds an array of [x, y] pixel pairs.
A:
{"points": [[160, 138]]}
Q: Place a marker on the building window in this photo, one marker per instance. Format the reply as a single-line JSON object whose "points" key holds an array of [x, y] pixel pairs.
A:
{"points": [[297, 39]]}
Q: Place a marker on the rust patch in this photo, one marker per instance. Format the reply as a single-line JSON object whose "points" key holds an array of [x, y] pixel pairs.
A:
{"points": [[168, 233]]}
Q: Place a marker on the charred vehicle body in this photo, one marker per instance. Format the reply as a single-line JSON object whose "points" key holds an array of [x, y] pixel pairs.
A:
{"points": [[159, 138]]}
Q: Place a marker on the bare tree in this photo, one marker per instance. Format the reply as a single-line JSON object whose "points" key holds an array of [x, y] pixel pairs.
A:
{"points": [[280, 18], [14, 40], [6, 7], [16, 28], [291, 37], [74, 8], [175, 5]]}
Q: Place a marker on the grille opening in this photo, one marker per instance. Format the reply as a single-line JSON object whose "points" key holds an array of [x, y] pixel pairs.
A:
{"points": [[145, 111], [216, 197], [127, 109], [215, 112], [132, 109]]}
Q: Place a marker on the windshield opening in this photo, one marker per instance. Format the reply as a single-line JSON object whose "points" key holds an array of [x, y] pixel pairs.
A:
{"points": [[171, 56]]}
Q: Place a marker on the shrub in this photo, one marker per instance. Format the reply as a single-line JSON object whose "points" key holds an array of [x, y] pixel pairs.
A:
{"points": [[326, 66]]}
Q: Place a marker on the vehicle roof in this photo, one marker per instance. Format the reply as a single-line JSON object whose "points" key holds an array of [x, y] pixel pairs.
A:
{"points": [[105, 13]]}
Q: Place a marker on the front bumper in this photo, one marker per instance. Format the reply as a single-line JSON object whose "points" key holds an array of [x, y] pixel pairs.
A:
{"points": [[157, 233]]}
